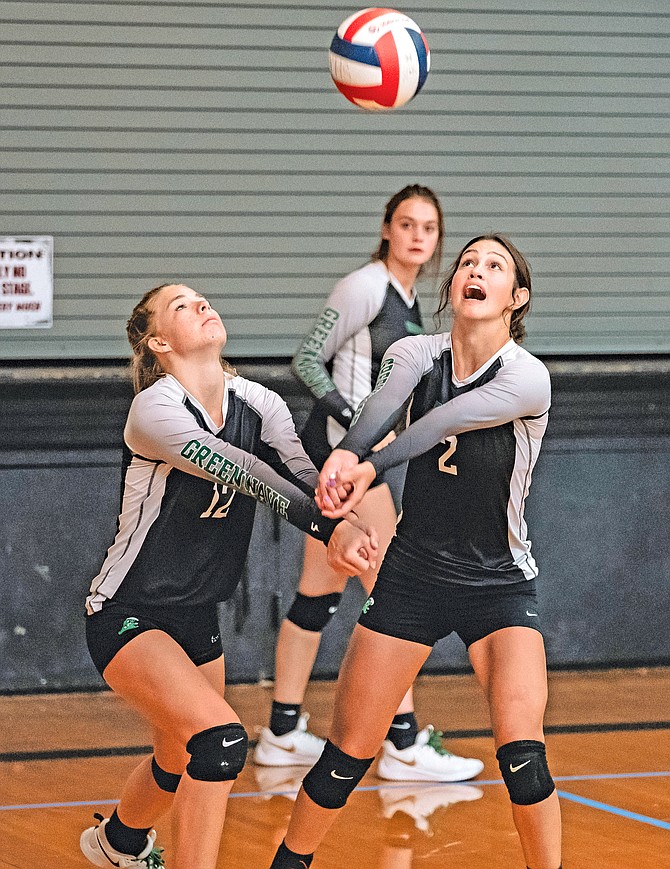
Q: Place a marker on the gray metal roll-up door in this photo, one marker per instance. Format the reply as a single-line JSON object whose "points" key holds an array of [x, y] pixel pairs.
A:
{"points": [[204, 142]]}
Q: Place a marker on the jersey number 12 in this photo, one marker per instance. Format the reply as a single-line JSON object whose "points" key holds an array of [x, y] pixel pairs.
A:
{"points": [[224, 498]]}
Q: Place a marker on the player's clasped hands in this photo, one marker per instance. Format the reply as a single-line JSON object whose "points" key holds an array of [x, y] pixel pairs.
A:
{"points": [[342, 483], [353, 547]]}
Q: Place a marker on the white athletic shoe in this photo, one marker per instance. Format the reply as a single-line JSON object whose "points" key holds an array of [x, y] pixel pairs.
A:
{"points": [[420, 801], [298, 747], [281, 781], [97, 850], [426, 760]]}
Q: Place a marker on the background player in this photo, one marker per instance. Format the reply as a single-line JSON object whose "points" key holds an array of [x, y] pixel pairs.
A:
{"points": [[479, 408], [199, 440], [339, 362]]}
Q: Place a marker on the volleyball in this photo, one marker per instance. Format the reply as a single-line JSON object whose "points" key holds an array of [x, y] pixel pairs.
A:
{"points": [[379, 59]]}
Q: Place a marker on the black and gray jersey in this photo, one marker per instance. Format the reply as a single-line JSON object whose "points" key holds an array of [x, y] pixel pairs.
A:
{"points": [[340, 359], [190, 489], [471, 447]]}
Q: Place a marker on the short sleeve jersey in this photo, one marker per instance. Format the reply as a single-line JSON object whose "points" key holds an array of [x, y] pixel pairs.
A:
{"points": [[190, 489], [340, 359], [471, 445]]}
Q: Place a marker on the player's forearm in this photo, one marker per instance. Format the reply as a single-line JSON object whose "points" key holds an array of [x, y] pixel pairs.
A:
{"points": [[314, 375], [484, 407], [309, 363]]}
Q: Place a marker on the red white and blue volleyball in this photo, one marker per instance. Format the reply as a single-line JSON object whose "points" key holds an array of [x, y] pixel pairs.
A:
{"points": [[379, 59]]}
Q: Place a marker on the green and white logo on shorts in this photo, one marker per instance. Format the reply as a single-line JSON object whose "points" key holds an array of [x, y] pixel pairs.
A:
{"points": [[368, 603], [129, 625]]}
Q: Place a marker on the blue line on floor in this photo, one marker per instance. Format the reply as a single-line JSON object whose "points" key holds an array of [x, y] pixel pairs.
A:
{"points": [[385, 786], [61, 805], [614, 810], [612, 775]]}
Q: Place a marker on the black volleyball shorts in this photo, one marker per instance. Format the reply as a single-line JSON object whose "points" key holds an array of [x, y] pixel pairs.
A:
{"points": [[196, 630], [405, 605]]}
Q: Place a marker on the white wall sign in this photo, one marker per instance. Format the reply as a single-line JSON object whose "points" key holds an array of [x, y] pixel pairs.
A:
{"points": [[26, 282]]}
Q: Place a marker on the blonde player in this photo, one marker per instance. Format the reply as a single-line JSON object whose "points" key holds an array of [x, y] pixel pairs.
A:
{"points": [[203, 445]]}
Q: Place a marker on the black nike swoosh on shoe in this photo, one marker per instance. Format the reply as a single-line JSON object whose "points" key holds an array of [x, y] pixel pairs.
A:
{"points": [[102, 848]]}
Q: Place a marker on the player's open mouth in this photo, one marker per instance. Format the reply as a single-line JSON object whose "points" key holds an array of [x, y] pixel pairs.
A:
{"points": [[473, 291]]}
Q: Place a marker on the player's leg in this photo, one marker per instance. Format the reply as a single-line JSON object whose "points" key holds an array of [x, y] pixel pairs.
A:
{"points": [[409, 754], [286, 741], [156, 677], [510, 665], [128, 832], [300, 632], [190, 823], [369, 692], [148, 793], [386, 501]]}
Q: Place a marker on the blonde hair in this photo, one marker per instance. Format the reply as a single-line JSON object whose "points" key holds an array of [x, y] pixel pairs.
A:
{"points": [[145, 367]]}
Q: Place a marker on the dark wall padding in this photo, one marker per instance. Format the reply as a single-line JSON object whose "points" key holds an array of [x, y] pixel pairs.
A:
{"points": [[598, 513]]}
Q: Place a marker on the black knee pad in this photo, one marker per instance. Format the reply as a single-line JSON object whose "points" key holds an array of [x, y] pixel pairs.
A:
{"points": [[313, 613], [334, 776], [218, 753], [166, 781], [523, 765]]}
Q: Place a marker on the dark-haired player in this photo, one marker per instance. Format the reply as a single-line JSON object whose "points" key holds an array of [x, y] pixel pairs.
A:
{"points": [[461, 560], [339, 362]]}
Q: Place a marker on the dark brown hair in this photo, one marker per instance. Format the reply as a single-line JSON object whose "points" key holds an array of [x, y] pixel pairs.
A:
{"points": [[145, 367], [413, 191], [522, 278]]}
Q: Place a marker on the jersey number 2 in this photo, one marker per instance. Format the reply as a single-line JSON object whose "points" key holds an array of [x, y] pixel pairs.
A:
{"points": [[451, 441], [224, 498]]}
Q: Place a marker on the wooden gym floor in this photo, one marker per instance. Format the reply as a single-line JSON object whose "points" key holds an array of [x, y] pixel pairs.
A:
{"points": [[64, 756]]}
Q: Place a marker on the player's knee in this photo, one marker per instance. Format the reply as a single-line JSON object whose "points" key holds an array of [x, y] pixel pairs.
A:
{"points": [[166, 781], [523, 765], [334, 776], [313, 613], [218, 753]]}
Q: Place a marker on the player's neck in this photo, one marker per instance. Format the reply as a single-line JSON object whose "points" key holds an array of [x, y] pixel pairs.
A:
{"points": [[405, 275], [474, 345], [204, 380]]}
